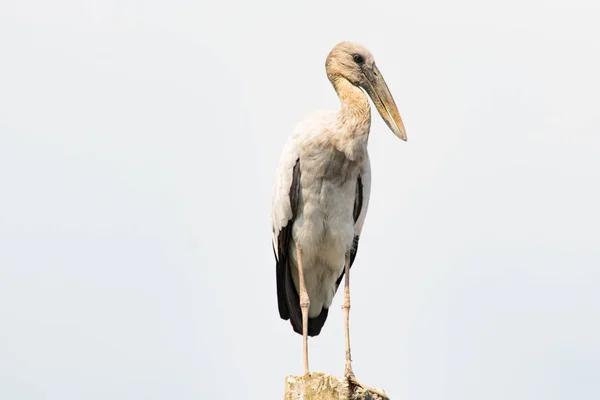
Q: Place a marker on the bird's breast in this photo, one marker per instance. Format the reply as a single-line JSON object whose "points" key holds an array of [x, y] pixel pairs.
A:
{"points": [[325, 223]]}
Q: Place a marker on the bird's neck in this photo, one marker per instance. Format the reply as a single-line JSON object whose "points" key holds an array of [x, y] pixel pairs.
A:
{"points": [[354, 118], [355, 105]]}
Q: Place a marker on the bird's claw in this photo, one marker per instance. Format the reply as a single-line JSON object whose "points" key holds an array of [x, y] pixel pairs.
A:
{"points": [[352, 380]]}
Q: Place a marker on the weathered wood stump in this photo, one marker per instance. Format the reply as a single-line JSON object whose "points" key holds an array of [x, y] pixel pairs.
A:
{"points": [[319, 386]]}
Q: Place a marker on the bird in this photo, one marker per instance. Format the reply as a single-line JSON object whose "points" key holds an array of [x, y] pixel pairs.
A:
{"points": [[321, 195]]}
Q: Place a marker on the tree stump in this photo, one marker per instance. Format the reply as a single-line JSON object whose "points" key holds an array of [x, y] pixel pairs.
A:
{"points": [[319, 386]]}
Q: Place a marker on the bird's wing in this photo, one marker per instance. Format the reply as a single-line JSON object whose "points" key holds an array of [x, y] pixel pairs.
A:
{"points": [[361, 204], [285, 203]]}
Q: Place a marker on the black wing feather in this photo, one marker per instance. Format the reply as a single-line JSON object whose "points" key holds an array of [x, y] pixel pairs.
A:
{"points": [[283, 244]]}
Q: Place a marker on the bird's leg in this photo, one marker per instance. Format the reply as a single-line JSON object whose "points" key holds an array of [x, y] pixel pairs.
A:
{"points": [[348, 373], [346, 307], [304, 304]]}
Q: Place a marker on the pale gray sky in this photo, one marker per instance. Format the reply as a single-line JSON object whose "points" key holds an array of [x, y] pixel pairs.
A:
{"points": [[138, 144]]}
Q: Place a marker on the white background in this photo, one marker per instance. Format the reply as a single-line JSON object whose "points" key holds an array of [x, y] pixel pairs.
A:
{"points": [[138, 144]]}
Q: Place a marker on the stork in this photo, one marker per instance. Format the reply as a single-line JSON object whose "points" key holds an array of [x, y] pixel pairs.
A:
{"points": [[321, 195]]}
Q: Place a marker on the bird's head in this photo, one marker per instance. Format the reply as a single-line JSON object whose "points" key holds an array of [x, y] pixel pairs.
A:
{"points": [[354, 62]]}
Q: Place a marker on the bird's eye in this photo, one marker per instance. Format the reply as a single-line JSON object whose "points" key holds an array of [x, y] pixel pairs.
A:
{"points": [[358, 59]]}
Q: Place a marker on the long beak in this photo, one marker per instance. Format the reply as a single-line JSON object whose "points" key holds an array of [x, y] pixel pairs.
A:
{"points": [[383, 100]]}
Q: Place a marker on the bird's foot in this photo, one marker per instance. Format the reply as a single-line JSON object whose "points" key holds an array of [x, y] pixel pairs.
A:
{"points": [[348, 373], [352, 381]]}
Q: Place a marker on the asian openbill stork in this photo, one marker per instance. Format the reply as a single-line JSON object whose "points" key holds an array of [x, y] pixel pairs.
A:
{"points": [[321, 194]]}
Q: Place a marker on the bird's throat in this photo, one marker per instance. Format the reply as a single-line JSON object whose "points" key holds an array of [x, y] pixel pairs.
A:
{"points": [[355, 102], [355, 111]]}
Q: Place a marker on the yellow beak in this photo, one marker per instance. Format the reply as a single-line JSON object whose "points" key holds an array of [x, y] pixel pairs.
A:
{"points": [[383, 100]]}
